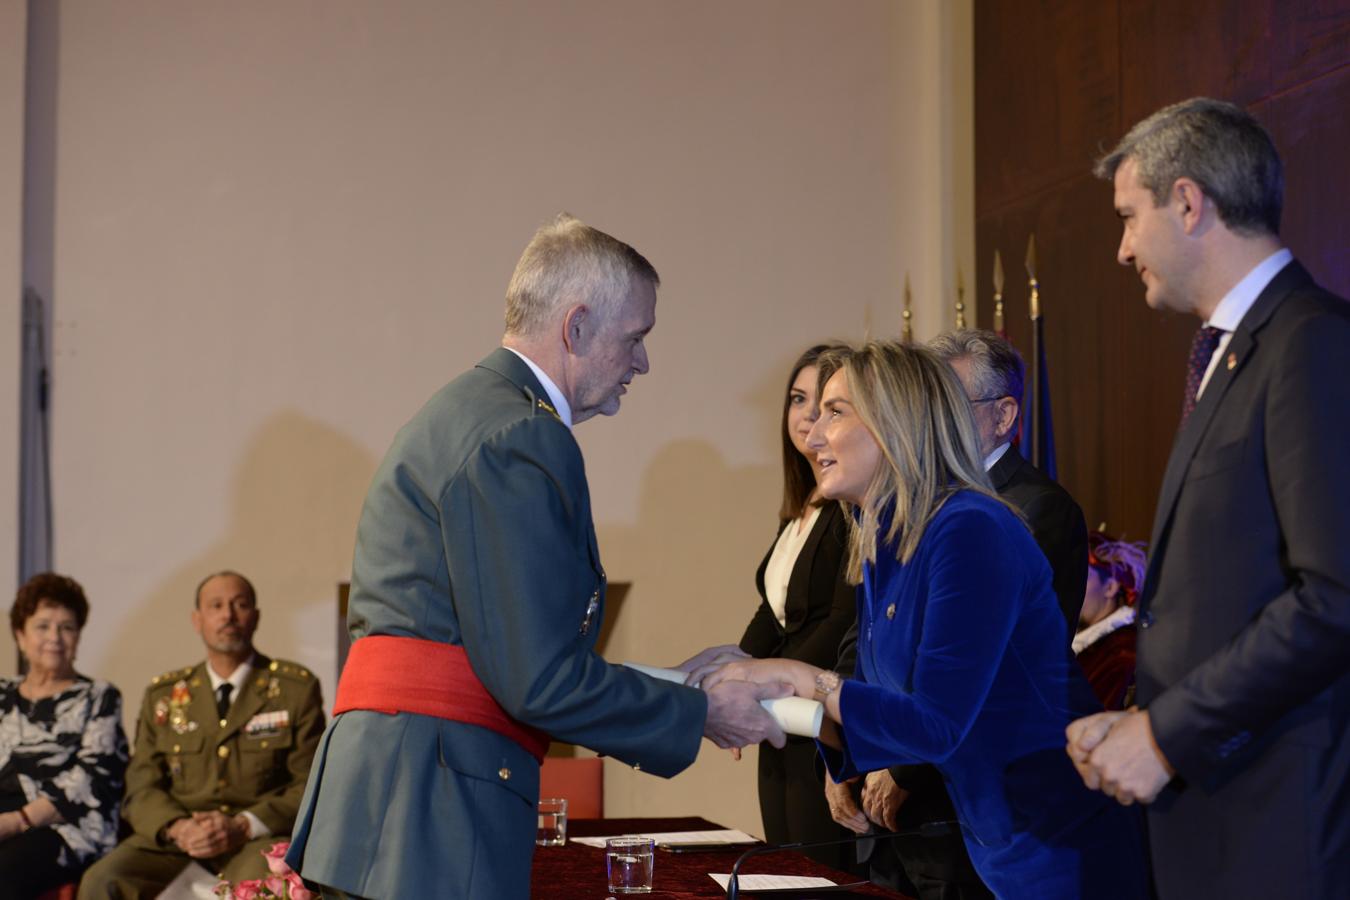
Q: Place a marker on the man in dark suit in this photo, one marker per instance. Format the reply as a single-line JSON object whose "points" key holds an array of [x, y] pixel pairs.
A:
{"points": [[904, 797], [477, 598], [993, 374], [1241, 746]]}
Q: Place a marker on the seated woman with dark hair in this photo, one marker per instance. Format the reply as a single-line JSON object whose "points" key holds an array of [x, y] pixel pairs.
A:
{"points": [[62, 751], [1105, 640], [962, 649]]}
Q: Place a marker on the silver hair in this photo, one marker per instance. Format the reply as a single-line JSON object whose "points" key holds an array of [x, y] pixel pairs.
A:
{"points": [[996, 368], [1220, 147], [567, 262]]}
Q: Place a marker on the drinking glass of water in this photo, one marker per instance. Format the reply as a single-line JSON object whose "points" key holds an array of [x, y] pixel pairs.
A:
{"points": [[629, 861], [552, 822]]}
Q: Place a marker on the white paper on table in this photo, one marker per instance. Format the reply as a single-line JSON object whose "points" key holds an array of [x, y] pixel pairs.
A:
{"points": [[772, 882], [721, 835], [795, 715]]}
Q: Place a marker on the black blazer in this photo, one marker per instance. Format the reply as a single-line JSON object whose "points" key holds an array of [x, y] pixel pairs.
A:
{"points": [[1056, 522], [1244, 619], [821, 604]]}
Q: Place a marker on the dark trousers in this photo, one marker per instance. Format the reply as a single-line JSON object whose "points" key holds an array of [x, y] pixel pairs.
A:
{"points": [[792, 803], [937, 868], [28, 864], [933, 868]]}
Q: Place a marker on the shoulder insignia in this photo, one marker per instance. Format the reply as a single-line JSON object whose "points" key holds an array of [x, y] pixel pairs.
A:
{"points": [[169, 677], [288, 669], [547, 407]]}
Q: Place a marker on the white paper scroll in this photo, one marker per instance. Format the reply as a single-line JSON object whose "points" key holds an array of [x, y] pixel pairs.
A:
{"points": [[795, 715]]}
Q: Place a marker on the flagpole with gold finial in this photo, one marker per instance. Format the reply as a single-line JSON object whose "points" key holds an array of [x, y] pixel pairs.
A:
{"points": [[998, 294], [1033, 436], [906, 328], [960, 300]]}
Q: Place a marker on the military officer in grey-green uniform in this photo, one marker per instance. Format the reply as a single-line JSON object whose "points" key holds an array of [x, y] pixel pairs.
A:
{"points": [[222, 752]]}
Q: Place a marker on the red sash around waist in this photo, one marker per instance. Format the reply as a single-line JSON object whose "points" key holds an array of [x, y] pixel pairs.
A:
{"points": [[389, 674]]}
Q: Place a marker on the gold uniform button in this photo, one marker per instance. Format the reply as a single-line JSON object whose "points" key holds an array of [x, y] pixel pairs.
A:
{"points": [[222, 723], [263, 745], [272, 666], [504, 773], [222, 751], [177, 748]]}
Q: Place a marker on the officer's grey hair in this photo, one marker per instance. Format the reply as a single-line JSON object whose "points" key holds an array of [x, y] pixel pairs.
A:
{"points": [[569, 262], [1220, 147]]}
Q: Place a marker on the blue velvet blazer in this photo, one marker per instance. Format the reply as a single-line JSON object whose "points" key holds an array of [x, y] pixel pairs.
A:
{"points": [[963, 662]]}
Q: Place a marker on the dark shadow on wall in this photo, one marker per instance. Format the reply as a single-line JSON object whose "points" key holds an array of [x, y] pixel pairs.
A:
{"points": [[297, 493], [702, 527]]}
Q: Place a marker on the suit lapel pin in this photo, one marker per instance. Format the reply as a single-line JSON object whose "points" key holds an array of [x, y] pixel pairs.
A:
{"points": [[1232, 361], [890, 611]]}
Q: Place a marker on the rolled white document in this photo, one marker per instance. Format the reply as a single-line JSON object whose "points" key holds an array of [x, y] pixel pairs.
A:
{"points": [[795, 715]]}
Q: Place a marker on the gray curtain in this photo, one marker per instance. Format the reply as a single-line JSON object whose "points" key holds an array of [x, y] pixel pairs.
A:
{"points": [[35, 501]]}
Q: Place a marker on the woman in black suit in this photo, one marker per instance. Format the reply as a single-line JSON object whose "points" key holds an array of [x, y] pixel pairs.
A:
{"points": [[805, 607]]}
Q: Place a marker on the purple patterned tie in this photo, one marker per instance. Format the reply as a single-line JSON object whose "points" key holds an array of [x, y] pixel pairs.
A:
{"points": [[1202, 348]]}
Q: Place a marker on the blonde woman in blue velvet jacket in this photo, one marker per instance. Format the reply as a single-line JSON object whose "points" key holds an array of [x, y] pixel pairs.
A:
{"points": [[962, 655]]}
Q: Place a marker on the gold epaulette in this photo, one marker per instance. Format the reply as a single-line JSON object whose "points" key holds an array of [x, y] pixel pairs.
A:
{"points": [[171, 676], [290, 670]]}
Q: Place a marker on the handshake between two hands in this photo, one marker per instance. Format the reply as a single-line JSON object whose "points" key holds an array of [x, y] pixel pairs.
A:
{"points": [[738, 686]]}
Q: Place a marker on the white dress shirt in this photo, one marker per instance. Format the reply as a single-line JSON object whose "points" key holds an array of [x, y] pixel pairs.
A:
{"points": [[554, 395], [1234, 305], [236, 680]]}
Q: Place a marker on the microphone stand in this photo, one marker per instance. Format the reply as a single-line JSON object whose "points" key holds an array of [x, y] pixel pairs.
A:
{"points": [[927, 830]]}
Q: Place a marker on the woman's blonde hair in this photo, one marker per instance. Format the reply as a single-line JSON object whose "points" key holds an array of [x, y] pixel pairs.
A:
{"points": [[918, 413]]}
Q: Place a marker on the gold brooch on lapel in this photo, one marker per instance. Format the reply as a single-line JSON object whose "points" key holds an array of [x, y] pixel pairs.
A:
{"points": [[1232, 361], [890, 611], [544, 405]]}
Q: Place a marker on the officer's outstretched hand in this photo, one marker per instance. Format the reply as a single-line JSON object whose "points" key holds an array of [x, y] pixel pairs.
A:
{"points": [[735, 718]]}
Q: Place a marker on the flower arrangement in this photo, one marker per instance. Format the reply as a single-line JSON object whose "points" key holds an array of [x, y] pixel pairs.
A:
{"points": [[281, 884]]}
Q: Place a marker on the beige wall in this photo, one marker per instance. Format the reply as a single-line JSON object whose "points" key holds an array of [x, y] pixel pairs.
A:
{"points": [[281, 226], [13, 27]]}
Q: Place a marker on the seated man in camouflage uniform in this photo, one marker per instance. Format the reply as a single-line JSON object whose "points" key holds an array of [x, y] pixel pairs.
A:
{"points": [[222, 754]]}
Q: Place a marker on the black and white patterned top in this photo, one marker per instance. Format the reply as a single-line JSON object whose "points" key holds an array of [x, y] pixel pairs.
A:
{"points": [[69, 748]]}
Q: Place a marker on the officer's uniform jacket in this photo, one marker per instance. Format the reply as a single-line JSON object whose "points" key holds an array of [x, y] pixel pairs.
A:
{"points": [[256, 760], [477, 532]]}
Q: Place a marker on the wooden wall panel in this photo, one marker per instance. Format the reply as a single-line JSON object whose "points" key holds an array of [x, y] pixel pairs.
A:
{"points": [[1309, 39], [1099, 334], [1032, 49], [1171, 51], [1046, 105], [1311, 125]]}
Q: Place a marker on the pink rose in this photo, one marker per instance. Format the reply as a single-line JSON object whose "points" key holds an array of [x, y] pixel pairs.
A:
{"points": [[276, 884], [298, 889], [248, 890], [276, 858]]}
